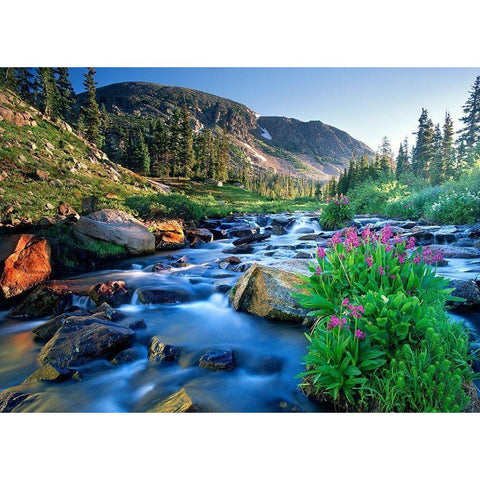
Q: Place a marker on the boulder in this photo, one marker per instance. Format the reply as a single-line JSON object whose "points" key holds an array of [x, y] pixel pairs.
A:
{"points": [[202, 233], [267, 291], [138, 325], [467, 289], [244, 231], [51, 373], [217, 359], [24, 263], [114, 293], [160, 352], [258, 237], [66, 210], [450, 251], [239, 249], [161, 268], [279, 229], [47, 330], [197, 242], [90, 204], [48, 299], [125, 356], [83, 340], [179, 402], [282, 220], [169, 235], [117, 227], [163, 296]]}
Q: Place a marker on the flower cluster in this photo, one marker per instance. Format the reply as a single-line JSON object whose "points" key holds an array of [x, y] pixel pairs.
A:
{"points": [[338, 200]]}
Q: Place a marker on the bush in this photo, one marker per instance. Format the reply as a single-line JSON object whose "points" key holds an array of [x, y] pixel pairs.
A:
{"points": [[379, 303], [165, 206], [455, 206], [336, 213]]}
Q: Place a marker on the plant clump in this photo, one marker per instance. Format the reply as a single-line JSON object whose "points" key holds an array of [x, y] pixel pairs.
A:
{"points": [[382, 340], [336, 212]]}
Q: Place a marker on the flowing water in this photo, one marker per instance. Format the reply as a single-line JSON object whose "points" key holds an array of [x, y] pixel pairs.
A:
{"points": [[268, 355]]}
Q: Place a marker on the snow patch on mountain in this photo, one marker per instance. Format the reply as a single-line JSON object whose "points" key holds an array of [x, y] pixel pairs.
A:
{"points": [[265, 133], [255, 153]]}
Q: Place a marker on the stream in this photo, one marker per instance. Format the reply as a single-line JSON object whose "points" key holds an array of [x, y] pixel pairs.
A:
{"points": [[268, 355]]}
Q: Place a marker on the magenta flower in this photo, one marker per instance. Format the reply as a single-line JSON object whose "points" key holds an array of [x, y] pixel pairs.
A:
{"points": [[381, 271], [417, 259], [345, 301], [318, 272], [389, 247], [359, 334], [321, 252], [411, 243], [369, 260], [401, 259]]}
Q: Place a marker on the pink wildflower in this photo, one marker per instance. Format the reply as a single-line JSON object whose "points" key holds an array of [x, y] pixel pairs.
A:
{"points": [[321, 252], [345, 301], [381, 271], [359, 334], [369, 260]]}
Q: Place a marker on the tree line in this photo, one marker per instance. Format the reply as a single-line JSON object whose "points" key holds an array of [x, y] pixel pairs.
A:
{"points": [[439, 154]]}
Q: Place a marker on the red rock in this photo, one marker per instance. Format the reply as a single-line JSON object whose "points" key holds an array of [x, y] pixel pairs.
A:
{"points": [[24, 263]]}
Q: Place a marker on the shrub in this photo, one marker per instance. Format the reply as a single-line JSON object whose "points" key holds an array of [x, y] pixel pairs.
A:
{"points": [[336, 213], [378, 303], [165, 206]]}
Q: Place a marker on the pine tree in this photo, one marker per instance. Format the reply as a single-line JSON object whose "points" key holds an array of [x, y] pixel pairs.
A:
{"points": [[187, 155], [385, 154], [49, 97], [174, 145], [224, 157], [423, 151], [25, 83], [470, 133], [448, 149], [437, 165], [91, 111], [141, 157], [403, 165], [8, 78], [67, 97]]}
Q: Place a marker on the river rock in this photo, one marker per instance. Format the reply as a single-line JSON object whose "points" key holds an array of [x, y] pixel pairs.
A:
{"points": [[24, 263], [279, 230], [169, 235], [467, 289], [217, 359], [219, 233], [159, 352], [163, 296], [282, 220], [179, 402], [202, 233], [242, 232], [450, 251], [47, 330], [14, 400], [51, 373], [48, 299], [66, 210], [138, 325], [125, 356], [267, 291], [239, 249], [473, 231], [258, 237], [161, 268], [117, 227], [197, 242], [114, 293], [81, 341]]}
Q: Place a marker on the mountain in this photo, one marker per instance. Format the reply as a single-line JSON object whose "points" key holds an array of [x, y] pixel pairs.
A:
{"points": [[304, 149]]}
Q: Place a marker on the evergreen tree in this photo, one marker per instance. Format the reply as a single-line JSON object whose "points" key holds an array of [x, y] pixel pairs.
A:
{"points": [[403, 165], [174, 146], [437, 175], [470, 133], [91, 111], [423, 152], [223, 160], [448, 149], [385, 155], [67, 97], [187, 155], [141, 158], [49, 98], [8, 78], [25, 84]]}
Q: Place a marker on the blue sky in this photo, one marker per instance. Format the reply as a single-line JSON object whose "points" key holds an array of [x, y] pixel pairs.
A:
{"points": [[368, 103]]}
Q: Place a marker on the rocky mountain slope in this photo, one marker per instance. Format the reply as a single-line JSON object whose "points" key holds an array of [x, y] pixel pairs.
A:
{"points": [[44, 163], [305, 149]]}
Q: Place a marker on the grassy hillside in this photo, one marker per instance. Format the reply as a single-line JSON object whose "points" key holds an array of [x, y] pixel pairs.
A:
{"points": [[43, 163]]}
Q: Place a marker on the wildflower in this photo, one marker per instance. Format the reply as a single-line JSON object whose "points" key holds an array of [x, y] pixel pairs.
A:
{"points": [[401, 259], [411, 243], [369, 260], [393, 277], [359, 334], [321, 252], [337, 238], [345, 301], [417, 259], [318, 272], [381, 271], [389, 247], [334, 322], [386, 234]]}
